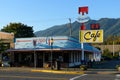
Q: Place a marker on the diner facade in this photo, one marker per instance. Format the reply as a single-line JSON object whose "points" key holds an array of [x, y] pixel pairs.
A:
{"points": [[42, 51]]}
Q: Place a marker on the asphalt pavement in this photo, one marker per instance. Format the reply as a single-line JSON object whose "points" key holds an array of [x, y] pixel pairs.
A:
{"points": [[26, 73]]}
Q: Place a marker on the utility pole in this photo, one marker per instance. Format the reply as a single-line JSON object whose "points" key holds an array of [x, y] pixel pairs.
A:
{"points": [[114, 37], [70, 26], [113, 47]]}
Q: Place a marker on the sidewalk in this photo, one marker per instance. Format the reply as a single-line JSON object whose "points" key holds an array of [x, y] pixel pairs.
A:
{"points": [[62, 71]]}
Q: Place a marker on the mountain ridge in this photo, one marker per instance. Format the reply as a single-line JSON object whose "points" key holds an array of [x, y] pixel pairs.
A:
{"points": [[111, 26]]}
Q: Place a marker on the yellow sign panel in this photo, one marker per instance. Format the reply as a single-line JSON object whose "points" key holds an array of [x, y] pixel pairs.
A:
{"points": [[91, 36]]}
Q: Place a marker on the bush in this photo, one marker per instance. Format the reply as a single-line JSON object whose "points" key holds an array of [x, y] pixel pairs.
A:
{"points": [[107, 55], [118, 67], [83, 67]]}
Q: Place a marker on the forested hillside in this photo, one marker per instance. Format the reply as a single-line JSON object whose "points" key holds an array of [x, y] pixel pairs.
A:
{"points": [[110, 26]]}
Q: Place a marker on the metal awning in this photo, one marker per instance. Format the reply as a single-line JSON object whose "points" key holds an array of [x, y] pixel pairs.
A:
{"points": [[42, 49]]}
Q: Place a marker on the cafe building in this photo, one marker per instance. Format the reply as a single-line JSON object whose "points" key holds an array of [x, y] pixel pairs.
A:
{"points": [[45, 51]]}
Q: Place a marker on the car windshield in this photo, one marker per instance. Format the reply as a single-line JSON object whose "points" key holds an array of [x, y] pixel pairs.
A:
{"points": [[5, 58]]}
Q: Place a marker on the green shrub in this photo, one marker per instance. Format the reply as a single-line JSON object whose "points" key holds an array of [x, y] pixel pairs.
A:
{"points": [[118, 65], [83, 67]]}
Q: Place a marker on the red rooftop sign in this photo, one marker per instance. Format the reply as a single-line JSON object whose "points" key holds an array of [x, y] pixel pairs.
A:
{"points": [[83, 10]]}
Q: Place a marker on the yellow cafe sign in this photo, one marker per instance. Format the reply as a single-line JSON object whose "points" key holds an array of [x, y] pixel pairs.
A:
{"points": [[91, 36]]}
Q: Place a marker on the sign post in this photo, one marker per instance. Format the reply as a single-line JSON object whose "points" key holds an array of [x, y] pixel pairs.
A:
{"points": [[88, 36], [82, 19]]}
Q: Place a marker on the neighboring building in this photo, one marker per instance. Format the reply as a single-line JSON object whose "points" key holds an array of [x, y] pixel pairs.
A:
{"points": [[7, 39], [111, 48], [39, 49], [6, 42]]}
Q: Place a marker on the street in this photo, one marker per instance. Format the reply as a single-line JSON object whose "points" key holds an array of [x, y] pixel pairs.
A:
{"points": [[98, 77], [28, 75]]}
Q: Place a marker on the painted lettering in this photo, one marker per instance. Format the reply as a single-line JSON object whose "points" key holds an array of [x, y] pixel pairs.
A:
{"points": [[89, 35]]}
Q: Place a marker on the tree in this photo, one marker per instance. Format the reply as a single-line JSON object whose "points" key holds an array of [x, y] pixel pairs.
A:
{"points": [[112, 38], [2, 48], [20, 30]]}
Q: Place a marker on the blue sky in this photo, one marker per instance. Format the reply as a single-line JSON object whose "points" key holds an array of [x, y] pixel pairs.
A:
{"points": [[42, 14]]}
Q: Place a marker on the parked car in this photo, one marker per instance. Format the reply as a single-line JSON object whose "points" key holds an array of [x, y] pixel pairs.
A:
{"points": [[5, 64]]}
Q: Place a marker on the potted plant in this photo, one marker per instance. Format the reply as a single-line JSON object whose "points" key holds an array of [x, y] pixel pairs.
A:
{"points": [[83, 67]]}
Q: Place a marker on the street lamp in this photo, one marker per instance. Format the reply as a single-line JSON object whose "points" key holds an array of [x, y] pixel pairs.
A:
{"points": [[35, 60], [51, 43]]}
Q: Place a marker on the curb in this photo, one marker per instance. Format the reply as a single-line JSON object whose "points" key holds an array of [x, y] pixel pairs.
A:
{"points": [[76, 72], [59, 72], [108, 72]]}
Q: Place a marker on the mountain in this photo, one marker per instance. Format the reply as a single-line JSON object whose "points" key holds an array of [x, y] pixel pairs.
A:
{"points": [[110, 26]]}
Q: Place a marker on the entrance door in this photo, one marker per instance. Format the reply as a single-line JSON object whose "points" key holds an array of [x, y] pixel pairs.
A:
{"points": [[40, 59]]}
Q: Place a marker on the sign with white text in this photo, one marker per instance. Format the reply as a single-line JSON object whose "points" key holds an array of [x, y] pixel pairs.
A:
{"points": [[91, 36], [45, 42], [83, 19]]}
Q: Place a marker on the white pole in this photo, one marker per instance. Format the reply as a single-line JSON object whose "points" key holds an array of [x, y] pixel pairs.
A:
{"points": [[82, 47]]}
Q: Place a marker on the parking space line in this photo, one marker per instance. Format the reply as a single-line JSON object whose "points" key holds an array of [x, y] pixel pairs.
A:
{"points": [[77, 77]]}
